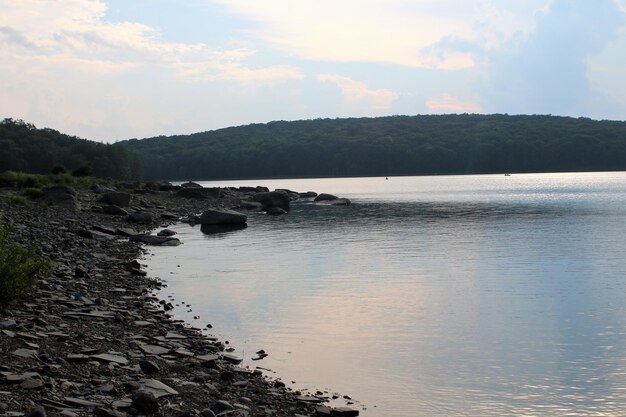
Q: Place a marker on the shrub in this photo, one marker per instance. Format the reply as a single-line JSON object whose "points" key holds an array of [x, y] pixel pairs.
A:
{"points": [[19, 267], [16, 200], [58, 169], [33, 192], [82, 171], [13, 179]]}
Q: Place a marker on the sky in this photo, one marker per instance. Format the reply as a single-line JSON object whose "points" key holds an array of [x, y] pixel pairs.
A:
{"points": [[109, 70]]}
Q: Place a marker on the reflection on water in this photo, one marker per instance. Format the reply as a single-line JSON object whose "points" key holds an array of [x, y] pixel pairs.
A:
{"points": [[432, 296], [221, 229]]}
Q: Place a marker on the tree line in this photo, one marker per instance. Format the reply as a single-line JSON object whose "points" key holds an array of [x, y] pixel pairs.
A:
{"points": [[384, 146], [25, 148]]}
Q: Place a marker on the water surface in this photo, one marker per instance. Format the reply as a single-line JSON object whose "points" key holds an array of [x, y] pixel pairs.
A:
{"points": [[429, 296]]}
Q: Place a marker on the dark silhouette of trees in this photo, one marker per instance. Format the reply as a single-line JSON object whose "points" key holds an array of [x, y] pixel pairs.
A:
{"points": [[396, 145], [25, 148]]}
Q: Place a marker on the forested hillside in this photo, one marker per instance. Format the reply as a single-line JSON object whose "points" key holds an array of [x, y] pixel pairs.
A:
{"points": [[397, 145], [25, 148]]}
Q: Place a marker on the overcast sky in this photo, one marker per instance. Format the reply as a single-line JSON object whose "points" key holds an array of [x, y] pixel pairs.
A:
{"points": [[116, 69]]}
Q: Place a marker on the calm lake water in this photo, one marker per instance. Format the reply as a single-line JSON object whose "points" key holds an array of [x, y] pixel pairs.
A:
{"points": [[429, 296]]}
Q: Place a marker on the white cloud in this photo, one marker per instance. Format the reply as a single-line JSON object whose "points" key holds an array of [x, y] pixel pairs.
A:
{"points": [[393, 31], [447, 103], [76, 32], [357, 95], [63, 64]]}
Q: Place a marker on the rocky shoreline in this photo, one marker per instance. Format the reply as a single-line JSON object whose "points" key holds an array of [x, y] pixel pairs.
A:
{"points": [[93, 339]]}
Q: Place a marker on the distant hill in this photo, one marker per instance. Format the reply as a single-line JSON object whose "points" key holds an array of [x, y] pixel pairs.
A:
{"points": [[25, 148], [397, 145]]}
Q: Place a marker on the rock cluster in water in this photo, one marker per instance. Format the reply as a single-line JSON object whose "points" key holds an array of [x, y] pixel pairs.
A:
{"points": [[94, 340]]}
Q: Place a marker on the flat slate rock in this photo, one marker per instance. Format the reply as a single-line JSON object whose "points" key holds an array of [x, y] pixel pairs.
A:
{"points": [[157, 388], [82, 402], [77, 357], [31, 383], [230, 358], [154, 349], [95, 314], [309, 399], [107, 357], [19, 378], [25, 353]]}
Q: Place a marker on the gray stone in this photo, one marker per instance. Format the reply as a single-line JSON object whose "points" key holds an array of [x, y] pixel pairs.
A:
{"points": [[116, 199], [31, 383], [157, 388], [207, 412], [108, 357], [344, 412], [230, 358], [126, 232], [148, 367], [114, 210], [250, 205], [61, 195], [308, 194], [166, 232], [325, 197], [221, 406], [169, 215], [7, 324], [37, 412], [104, 229], [108, 412], [145, 402], [141, 217], [273, 199], [222, 217], [190, 184], [275, 211], [155, 240], [199, 193], [25, 353], [81, 402], [340, 202], [154, 349]]}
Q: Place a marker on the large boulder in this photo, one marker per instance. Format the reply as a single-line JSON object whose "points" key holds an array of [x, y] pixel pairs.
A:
{"points": [[199, 193], [61, 195], [190, 184], [222, 217], [325, 197], [331, 200], [142, 217], [114, 210], [292, 194], [273, 199], [339, 202], [116, 199], [308, 194]]}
